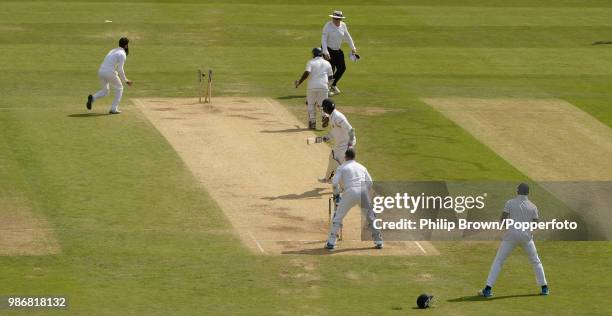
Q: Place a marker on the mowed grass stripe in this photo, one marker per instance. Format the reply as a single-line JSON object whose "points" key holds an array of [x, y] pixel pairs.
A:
{"points": [[211, 35], [446, 60], [449, 15], [181, 267]]}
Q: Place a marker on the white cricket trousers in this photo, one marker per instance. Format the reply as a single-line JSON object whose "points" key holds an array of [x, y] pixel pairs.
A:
{"points": [[504, 251], [110, 79], [351, 197], [315, 97], [336, 158]]}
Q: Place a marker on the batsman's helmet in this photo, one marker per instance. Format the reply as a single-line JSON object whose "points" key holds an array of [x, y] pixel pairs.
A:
{"points": [[328, 105], [123, 42], [522, 189], [424, 300], [316, 52]]}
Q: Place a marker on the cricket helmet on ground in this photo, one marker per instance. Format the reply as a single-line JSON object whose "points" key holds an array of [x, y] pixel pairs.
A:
{"points": [[328, 105], [317, 51], [424, 300]]}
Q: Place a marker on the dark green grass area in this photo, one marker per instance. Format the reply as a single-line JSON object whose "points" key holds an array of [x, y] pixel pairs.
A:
{"points": [[140, 236]]}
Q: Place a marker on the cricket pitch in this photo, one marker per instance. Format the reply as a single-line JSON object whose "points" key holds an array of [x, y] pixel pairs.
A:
{"points": [[251, 155], [547, 139]]}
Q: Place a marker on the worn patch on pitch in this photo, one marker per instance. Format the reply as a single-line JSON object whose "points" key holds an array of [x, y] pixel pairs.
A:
{"points": [[251, 156], [546, 139], [22, 232]]}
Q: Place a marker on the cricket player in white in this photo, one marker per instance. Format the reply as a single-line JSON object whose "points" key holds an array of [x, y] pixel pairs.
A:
{"points": [[334, 33], [320, 72], [352, 184], [343, 135], [519, 209], [111, 73]]}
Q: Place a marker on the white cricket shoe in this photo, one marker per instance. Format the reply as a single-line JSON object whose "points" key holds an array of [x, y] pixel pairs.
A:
{"points": [[335, 90], [324, 180]]}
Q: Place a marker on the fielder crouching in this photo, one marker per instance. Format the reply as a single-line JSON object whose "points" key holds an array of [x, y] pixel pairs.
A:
{"points": [[352, 185]]}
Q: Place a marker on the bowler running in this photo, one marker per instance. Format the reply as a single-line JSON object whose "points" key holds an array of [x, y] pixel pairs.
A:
{"points": [[320, 72], [111, 74]]}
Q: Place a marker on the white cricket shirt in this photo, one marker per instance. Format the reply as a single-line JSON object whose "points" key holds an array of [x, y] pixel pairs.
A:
{"points": [[319, 69], [352, 174], [113, 62], [333, 36], [520, 209], [340, 128]]}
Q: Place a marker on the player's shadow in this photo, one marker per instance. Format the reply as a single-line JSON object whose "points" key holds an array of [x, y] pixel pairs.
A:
{"points": [[289, 97], [88, 114], [323, 252], [477, 298], [312, 194], [297, 129]]}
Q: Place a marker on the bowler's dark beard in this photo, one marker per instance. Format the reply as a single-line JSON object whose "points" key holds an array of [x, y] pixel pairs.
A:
{"points": [[127, 50]]}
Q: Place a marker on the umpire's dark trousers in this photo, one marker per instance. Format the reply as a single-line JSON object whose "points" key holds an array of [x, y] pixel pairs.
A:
{"points": [[337, 62]]}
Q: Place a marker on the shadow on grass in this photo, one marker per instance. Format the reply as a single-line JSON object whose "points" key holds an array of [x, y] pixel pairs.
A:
{"points": [[477, 298], [297, 129], [289, 97], [88, 114], [323, 252], [312, 194]]}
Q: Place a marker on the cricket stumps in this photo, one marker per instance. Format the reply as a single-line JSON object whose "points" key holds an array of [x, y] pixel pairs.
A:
{"points": [[208, 93]]}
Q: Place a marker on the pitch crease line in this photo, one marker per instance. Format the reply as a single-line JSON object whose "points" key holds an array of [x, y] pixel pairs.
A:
{"points": [[257, 243], [420, 247]]}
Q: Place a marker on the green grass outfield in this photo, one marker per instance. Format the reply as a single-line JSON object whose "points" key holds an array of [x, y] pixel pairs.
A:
{"points": [[139, 236]]}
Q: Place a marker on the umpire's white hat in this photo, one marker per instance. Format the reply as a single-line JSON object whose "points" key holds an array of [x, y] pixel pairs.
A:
{"points": [[337, 15]]}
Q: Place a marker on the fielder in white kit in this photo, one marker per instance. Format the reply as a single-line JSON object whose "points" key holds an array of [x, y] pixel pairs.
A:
{"points": [[519, 209], [343, 135], [320, 72], [111, 74], [352, 185]]}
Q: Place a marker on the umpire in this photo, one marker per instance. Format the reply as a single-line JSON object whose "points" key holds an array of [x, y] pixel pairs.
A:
{"points": [[334, 33]]}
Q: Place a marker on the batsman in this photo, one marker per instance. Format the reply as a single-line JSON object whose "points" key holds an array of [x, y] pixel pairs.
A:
{"points": [[343, 134], [352, 185]]}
